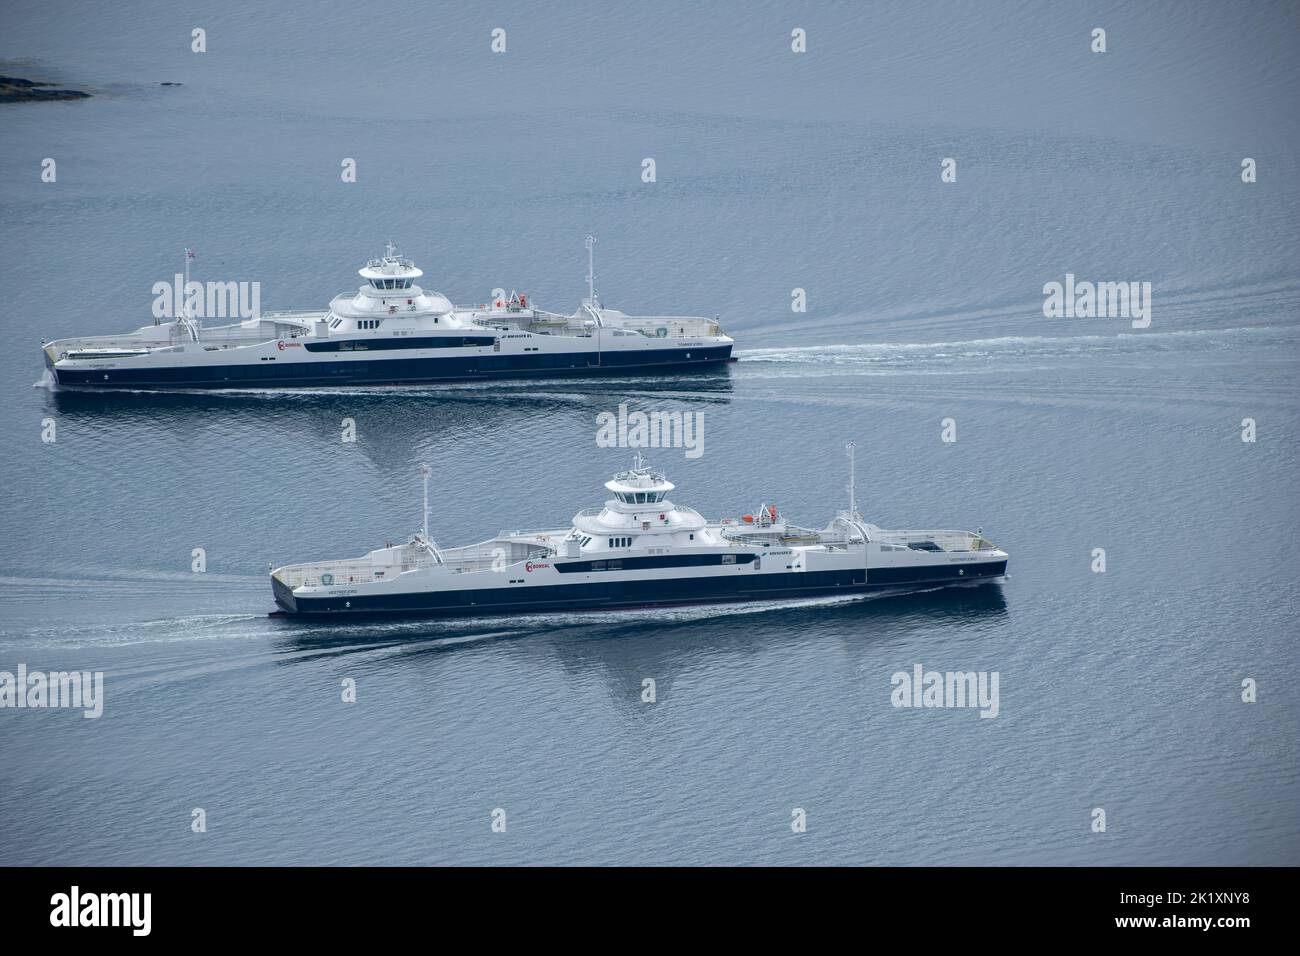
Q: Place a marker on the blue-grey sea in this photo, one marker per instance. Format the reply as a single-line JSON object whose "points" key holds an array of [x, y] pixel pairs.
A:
{"points": [[774, 171]]}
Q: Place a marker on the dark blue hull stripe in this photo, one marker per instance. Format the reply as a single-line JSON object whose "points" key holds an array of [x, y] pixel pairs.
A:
{"points": [[390, 371], [627, 594]]}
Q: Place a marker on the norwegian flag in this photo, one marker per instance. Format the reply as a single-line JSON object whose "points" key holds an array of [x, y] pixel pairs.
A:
{"points": [[189, 254]]}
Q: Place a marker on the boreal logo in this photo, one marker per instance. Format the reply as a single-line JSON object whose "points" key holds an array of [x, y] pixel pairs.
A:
{"points": [[530, 566]]}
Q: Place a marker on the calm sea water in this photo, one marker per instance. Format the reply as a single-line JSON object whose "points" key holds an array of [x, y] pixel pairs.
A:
{"points": [[1118, 690]]}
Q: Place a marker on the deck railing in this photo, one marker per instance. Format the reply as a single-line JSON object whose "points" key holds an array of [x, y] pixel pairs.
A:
{"points": [[676, 325], [945, 540], [337, 572]]}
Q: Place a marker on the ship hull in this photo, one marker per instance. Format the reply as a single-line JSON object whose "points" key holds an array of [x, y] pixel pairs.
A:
{"points": [[618, 595], [403, 371]]}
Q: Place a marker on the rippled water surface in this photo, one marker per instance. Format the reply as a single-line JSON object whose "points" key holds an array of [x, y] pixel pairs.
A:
{"points": [[1118, 690]]}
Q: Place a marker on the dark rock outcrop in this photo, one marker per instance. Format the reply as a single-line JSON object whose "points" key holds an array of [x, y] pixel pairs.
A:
{"points": [[14, 89]]}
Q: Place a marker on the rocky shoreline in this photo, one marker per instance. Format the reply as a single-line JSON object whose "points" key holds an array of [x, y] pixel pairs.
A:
{"points": [[14, 89]]}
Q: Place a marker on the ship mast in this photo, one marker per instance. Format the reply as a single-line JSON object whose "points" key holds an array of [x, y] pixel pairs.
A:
{"points": [[424, 525], [850, 448], [186, 319], [591, 271]]}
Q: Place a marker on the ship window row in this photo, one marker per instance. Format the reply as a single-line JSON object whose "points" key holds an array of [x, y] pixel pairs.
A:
{"points": [[368, 323], [421, 342], [640, 497], [639, 563], [391, 283], [282, 370], [620, 542]]}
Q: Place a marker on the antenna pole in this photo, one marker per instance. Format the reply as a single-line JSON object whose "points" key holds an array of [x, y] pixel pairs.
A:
{"points": [[424, 526], [591, 271], [853, 492], [185, 292]]}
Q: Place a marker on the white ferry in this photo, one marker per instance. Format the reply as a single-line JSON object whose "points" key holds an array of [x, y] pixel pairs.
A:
{"points": [[639, 550], [388, 332]]}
